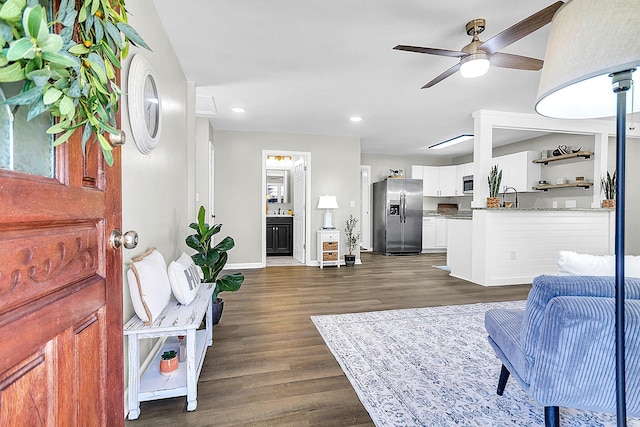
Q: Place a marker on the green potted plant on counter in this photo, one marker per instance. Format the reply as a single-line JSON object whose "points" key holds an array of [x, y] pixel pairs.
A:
{"points": [[212, 260], [608, 183], [352, 238], [495, 178]]}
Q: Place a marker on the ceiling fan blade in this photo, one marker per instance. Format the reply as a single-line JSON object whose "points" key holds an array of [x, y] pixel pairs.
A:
{"points": [[432, 51], [442, 76], [521, 29], [507, 60]]}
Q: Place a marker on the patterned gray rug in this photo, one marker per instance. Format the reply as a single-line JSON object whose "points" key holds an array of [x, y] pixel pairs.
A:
{"points": [[433, 367]]}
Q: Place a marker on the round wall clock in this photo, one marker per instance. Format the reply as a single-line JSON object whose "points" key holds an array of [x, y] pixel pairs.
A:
{"points": [[145, 106]]}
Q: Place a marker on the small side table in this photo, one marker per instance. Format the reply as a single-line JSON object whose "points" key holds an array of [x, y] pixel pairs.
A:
{"points": [[175, 320], [329, 247]]}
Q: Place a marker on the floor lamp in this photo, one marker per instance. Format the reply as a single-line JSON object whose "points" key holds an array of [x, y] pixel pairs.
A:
{"points": [[589, 67]]}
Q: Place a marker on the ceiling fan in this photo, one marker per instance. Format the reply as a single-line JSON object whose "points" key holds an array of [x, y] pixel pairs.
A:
{"points": [[477, 56]]}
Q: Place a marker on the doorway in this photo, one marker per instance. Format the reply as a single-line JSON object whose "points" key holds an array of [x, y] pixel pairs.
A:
{"points": [[365, 206], [286, 185]]}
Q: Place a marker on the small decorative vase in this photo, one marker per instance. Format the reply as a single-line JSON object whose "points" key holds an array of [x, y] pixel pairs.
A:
{"points": [[609, 203], [168, 362], [493, 202]]}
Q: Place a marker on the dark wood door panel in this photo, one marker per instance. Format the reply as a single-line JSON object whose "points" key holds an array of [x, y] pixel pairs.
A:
{"points": [[37, 261]]}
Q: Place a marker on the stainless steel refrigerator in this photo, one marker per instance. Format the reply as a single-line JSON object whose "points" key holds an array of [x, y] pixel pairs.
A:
{"points": [[397, 216]]}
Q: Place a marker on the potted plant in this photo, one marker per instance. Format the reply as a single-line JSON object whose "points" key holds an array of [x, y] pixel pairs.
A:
{"points": [[168, 362], [212, 260], [352, 238], [608, 183], [495, 178]]}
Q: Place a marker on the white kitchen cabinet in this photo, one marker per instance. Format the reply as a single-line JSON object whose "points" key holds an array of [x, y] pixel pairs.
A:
{"points": [[441, 233], [428, 233], [462, 171], [519, 171], [439, 181], [434, 234]]}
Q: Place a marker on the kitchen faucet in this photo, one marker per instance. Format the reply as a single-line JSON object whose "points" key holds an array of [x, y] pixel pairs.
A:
{"points": [[505, 192]]}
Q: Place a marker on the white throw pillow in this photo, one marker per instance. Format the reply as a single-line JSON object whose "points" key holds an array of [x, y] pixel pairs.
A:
{"points": [[149, 285], [184, 276], [575, 264]]}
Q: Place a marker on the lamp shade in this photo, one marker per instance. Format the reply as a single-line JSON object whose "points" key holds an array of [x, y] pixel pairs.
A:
{"points": [[589, 40], [327, 202]]}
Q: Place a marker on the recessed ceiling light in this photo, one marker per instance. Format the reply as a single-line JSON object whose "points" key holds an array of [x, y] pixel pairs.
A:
{"points": [[356, 119], [449, 142], [238, 109]]}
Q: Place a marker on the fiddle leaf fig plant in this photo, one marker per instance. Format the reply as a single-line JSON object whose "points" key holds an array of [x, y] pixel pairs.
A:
{"points": [[71, 74], [212, 259]]}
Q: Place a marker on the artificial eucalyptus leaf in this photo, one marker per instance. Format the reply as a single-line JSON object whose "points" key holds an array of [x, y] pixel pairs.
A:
{"points": [[132, 35], [63, 138], [5, 33], [11, 73], [51, 95], [21, 49], [11, 10], [108, 157], [31, 21], [39, 77], [74, 89], [60, 59], [110, 55], [94, 6], [99, 30], [50, 43], [79, 49], [36, 109], [24, 98], [114, 34], [88, 24], [66, 106], [3, 60], [82, 15], [58, 127]]}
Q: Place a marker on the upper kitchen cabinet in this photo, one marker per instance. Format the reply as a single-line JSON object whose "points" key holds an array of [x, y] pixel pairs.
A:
{"points": [[439, 181], [519, 171]]}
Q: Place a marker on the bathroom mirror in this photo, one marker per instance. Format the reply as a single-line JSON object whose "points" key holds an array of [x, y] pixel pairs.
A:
{"points": [[278, 186]]}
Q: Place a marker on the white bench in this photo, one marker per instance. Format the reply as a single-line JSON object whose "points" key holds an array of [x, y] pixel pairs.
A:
{"points": [[175, 320]]}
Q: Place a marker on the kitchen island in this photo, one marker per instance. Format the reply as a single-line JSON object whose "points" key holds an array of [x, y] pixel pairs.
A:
{"points": [[512, 246]]}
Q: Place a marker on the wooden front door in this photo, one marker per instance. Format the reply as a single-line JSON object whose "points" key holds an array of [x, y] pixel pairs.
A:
{"points": [[61, 293]]}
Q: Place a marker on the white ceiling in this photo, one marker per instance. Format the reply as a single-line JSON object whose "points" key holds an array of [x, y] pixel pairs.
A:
{"points": [[308, 66]]}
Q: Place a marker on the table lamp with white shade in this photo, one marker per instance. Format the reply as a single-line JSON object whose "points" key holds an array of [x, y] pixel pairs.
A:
{"points": [[328, 203], [590, 64]]}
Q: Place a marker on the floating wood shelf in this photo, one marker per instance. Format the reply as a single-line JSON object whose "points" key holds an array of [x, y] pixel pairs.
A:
{"points": [[584, 154], [546, 187]]}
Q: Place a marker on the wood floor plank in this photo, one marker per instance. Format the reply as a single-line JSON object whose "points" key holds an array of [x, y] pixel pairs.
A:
{"points": [[270, 367]]}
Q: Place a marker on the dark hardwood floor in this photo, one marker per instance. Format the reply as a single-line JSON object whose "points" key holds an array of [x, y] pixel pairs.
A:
{"points": [[268, 365]]}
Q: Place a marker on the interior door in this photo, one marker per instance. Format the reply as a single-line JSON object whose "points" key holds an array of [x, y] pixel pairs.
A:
{"points": [[299, 195], [61, 291]]}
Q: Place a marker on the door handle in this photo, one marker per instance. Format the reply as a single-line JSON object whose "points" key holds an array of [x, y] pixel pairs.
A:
{"points": [[129, 239]]}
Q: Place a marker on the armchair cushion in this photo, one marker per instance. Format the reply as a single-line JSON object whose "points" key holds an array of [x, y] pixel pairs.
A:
{"points": [[504, 327]]}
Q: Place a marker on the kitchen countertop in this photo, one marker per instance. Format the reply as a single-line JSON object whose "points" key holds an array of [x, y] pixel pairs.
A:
{"points": [[460, 214], [279, 216]]}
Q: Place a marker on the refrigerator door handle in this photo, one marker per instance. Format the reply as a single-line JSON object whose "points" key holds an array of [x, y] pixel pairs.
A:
{"points": [[403, 219]]}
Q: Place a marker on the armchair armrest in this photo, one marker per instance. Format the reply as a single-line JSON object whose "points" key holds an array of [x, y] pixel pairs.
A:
{"points": [[575, 354]]}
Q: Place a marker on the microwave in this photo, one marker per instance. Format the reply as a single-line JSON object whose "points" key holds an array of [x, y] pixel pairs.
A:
{"points": [[467, 184]]}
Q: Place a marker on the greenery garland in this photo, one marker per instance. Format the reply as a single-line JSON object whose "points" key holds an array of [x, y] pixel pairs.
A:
{"points": [[74, 81]]}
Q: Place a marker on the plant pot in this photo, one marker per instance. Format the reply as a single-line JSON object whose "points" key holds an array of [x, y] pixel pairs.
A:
{"points": [[493, 202], [169, 366], [350, 260], [217, 307], [609, 203]]}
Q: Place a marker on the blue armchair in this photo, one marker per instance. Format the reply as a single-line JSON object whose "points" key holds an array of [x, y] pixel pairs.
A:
{"points": [[561, 347]]}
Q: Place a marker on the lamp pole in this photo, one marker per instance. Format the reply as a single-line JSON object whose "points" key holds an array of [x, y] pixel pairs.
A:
{"points": [[622, 82]]}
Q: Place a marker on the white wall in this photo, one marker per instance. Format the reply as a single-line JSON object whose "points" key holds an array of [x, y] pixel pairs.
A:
{"points": [[239, 196], [156, 196]]}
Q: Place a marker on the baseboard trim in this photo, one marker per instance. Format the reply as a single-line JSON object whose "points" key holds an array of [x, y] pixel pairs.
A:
{"points": [[243, 265]]}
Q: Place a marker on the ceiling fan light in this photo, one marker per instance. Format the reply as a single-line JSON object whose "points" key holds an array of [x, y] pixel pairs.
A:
{"points": [[473, 66]]}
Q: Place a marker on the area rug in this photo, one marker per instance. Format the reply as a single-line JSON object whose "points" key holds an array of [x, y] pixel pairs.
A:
{"points": [[442, 267], [434, 367]]}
